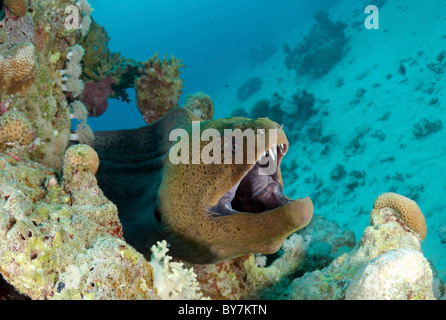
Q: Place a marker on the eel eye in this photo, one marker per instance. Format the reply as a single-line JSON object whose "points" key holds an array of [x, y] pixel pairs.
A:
{"points": [[234, 147]]}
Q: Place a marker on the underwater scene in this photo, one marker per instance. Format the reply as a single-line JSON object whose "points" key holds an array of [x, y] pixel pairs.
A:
{"points": [[222, 150]]}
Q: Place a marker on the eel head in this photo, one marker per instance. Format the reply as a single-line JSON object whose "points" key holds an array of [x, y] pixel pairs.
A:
{"points": [[210, 212]]}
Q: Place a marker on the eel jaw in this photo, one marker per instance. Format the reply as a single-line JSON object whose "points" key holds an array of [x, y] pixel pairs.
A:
{"points": [[267, 219], [256, 192]]}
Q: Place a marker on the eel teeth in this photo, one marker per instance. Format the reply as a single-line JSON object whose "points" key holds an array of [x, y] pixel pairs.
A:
{"points": [[281, 148]]}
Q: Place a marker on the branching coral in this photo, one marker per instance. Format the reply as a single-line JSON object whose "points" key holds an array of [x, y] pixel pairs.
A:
{"points": [[171, 279], [70, 75], [105, 74], [320, 50], [100, 63], [159, 88]]}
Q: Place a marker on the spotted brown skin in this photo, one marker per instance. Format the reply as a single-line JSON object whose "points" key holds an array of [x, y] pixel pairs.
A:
{"points": [[207, 212]]}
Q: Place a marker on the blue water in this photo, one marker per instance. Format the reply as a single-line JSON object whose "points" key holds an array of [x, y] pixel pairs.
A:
{"points": [[212, 38]]}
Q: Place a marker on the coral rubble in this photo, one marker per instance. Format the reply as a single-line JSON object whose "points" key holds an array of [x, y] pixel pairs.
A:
{"points": [[34, 48]]}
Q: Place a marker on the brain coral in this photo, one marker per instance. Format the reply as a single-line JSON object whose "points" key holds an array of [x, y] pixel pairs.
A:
{"points": [[408, 210], [17, 7], [15, 130], [17, 69]]}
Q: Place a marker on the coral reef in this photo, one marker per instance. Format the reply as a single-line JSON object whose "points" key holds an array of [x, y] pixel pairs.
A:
{"points": [[159, 88], [269, 108], [266, 277], [63, 239], [250, 87], [385, 249], [426, 127], [304, 106], [106, 74], [320, 50], [260, 109]]}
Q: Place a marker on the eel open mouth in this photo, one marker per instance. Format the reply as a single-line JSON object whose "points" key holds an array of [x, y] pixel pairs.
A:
{"points": [[260, 189]]}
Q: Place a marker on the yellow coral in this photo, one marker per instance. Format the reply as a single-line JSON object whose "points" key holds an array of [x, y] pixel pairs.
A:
{"points": [[18, 69], [408, 210], [17, 7], [15, 130], [81, 156]]}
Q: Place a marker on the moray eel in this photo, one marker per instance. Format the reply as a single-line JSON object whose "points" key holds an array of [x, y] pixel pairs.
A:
{"points": [[206, 212]]}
